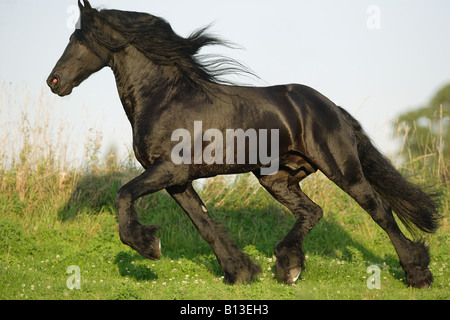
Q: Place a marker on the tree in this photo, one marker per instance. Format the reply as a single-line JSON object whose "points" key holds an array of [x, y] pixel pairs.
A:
{"points": [[426, 132]]}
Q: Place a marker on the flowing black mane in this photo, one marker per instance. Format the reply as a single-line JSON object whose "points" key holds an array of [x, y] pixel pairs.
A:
{"points": [[155, 38]]}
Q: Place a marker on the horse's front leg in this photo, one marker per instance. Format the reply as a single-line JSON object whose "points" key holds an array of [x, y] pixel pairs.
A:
{"points": [[132, 233], [236, 264]]}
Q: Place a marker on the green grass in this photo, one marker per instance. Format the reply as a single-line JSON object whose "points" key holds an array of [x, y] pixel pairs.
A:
{"points": [[74, 223]]}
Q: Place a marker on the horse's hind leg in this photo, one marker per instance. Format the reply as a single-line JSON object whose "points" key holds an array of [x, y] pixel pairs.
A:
{"points": [[286, 190], [414, 257], [349, 176], [237, 265]]}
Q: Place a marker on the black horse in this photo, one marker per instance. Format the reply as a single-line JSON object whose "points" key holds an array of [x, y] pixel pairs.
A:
{"points": [[164, 86]]}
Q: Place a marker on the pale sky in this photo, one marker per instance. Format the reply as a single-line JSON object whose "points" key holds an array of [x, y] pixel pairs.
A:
{"points": [[374, 58]]}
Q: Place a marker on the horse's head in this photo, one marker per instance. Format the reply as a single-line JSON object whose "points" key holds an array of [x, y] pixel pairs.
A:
{"points": [[82, 57]]}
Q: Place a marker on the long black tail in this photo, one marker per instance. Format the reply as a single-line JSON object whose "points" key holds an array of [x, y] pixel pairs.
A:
{"points": [[412, 205]]}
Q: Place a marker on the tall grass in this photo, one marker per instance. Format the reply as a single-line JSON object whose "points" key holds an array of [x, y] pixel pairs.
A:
{"points": [[56, 212], [429, 159]]}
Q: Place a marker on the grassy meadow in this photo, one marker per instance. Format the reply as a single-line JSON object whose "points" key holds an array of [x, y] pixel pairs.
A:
{"points": [[54, 215]]}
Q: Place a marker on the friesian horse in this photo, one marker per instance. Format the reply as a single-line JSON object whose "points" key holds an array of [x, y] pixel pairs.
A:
{"points": [[165, 85]]}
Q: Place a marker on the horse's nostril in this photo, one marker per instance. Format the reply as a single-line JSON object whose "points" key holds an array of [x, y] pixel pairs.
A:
{"points": [[53, 82]]}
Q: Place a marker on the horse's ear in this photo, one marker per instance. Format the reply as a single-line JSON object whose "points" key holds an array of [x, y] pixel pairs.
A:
{"points": [[86, 8]]}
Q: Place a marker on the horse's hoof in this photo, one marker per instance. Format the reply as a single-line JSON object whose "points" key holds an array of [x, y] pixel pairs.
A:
{"points": [[420, 278], [152, 244], [145, 242], [241, 272], [294, 280], [289, 277]]}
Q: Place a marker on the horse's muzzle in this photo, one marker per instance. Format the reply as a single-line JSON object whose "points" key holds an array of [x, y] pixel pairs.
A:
{"points": [[54, 82]]}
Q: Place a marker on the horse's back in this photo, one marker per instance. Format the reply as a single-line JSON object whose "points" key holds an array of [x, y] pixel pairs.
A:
{"points": [[308, 116]]}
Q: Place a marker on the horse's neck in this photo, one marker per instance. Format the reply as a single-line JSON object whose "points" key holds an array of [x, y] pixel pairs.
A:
{"points": [[139, 81]]}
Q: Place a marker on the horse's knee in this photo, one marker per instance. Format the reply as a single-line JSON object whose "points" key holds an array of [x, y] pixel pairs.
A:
{"points": [[316, 215]]}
